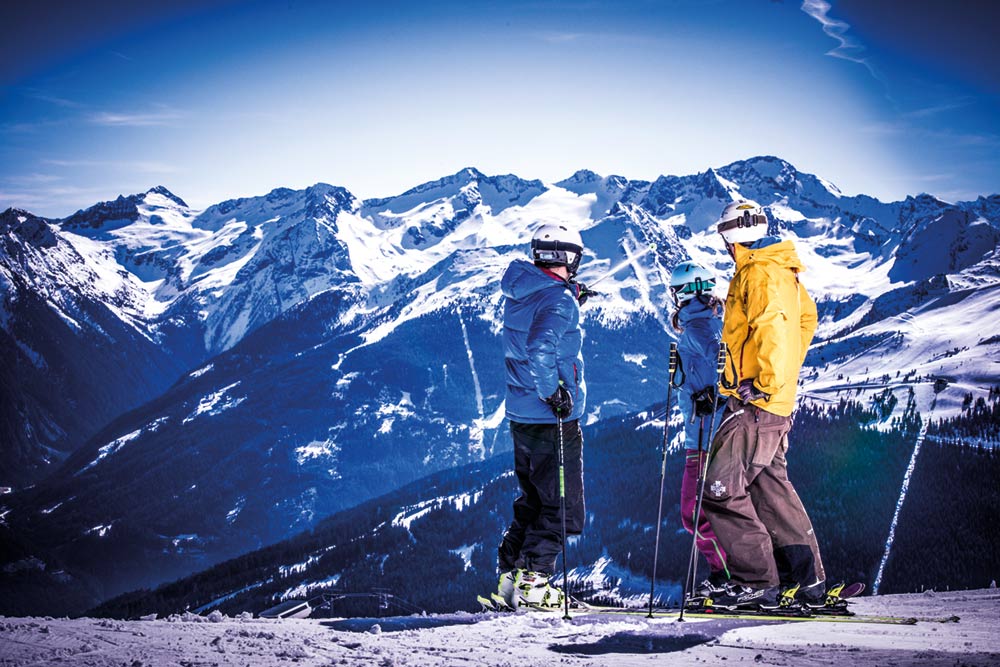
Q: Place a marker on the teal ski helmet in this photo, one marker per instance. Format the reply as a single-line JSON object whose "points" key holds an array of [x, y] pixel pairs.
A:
{"points": [[689, 280]]}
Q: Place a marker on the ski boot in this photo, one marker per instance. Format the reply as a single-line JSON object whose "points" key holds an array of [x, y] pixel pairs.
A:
{"points": [[738, 597], [532, 590], [714, 585], [785, 603], [503, 599]]}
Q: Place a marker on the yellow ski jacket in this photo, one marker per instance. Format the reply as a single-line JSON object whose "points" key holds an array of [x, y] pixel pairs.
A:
{"points": [[769, 323]]}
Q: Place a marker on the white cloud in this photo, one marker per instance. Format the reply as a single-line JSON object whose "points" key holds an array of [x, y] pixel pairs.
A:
{"points": [[43, 96], [149, 119], [849, 49]]}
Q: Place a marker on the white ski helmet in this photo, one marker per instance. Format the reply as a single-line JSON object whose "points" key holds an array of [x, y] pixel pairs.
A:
{"points": [[688, 280], [557, 245], [742, 221]]}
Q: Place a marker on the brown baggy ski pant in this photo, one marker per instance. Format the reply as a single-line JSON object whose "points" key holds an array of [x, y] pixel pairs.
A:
{"points": [[753, 507]]}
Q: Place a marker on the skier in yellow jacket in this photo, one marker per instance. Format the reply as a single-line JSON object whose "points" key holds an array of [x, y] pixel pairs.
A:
{"points": [[758, 517]]}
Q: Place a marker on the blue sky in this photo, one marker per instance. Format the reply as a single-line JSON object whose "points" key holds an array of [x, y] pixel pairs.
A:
{"points": [[226, 99]]}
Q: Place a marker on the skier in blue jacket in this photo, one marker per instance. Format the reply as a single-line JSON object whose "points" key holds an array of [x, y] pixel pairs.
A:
{"points": [[545, 388], [698, 321]]}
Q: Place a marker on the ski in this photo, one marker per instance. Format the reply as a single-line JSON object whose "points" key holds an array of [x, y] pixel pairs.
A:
{"points": [[805, 616], [494, 606], [834, 610], [834, 603], [790, 615]]}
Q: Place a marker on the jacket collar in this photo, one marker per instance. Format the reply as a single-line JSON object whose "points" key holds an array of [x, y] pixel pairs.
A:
{"points": [[781, 253]]}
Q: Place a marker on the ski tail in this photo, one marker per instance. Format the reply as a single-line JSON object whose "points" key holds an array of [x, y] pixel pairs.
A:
{"points": [[843, 591], [835, 601]]}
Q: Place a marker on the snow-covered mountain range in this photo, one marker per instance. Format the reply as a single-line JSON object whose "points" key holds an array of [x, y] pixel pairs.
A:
{"points": [[216, 380]]}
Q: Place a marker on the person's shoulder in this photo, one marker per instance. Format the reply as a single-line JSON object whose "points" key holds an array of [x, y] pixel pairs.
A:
{"points": [[557, 295], [753, 270], [702, 328]]}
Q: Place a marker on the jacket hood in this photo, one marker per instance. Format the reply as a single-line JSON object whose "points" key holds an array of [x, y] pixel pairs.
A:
{"points": [[781, 253], [523, 279], [694, 310]]}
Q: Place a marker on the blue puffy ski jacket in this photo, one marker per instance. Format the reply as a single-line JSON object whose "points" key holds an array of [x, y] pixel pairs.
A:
{"points": [[542, 342], [698, 348]]}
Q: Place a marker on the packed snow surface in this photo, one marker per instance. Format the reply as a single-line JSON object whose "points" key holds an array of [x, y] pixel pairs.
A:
{"points": [[534, 638]]}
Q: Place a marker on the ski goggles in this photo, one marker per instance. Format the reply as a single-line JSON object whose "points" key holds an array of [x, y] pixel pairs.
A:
{"points": [[745, 220], [557, 252], [687, 291]]}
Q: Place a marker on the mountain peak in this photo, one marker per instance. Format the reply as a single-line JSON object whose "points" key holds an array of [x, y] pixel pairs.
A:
{"points": [[580, 177], [460, 179], [766, 167], [120, 211], [164, 192], [14, 214], [715, 185], [323, 194], [925, 198], [470, 173], [29, 227]]}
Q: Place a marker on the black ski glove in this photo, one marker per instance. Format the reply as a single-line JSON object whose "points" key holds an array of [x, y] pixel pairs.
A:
{"points": [[584, 293], [748, 392], [704, 401], [561, 402]]}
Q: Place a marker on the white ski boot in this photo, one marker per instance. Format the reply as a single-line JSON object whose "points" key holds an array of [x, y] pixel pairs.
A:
{"points": [[532, 589]]}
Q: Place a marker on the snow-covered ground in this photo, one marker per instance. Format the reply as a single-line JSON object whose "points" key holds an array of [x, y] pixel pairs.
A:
{"points": [[521, 639]]}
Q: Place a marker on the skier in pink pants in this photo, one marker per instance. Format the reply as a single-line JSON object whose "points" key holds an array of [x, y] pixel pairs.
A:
{"points": [[698, 320]]}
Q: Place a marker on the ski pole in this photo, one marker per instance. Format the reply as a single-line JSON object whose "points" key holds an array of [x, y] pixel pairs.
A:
{"points": [[562, 511], [671, 370], [702, 473], [622, 264], [692, 571]]}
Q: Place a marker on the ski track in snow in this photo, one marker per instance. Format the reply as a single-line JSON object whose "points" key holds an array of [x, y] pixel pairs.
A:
{"points": [[472, 367], [477, 431], [640, 276], [899, 503], [536, 639]]}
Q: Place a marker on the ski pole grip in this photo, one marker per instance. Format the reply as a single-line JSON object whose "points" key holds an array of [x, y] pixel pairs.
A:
{"points": [[723, 354], [672, 363]]}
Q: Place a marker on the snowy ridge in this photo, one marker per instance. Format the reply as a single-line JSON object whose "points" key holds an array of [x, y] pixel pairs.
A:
{"points": [[117, 444], [461, 501]]}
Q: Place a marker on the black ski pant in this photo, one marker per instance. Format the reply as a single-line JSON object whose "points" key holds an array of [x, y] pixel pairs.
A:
{"points": [[534, 539]]}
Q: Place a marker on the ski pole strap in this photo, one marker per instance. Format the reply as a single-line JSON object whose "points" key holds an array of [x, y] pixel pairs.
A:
{"points": [[674, 365], [723, 353], [721, 368]]}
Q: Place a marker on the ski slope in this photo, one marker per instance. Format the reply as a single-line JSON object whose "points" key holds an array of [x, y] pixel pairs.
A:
{"points": [[537, 639]]}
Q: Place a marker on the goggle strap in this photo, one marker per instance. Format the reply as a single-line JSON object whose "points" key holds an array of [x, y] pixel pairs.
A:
{"points": [[745, 220], [696, 286]]}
